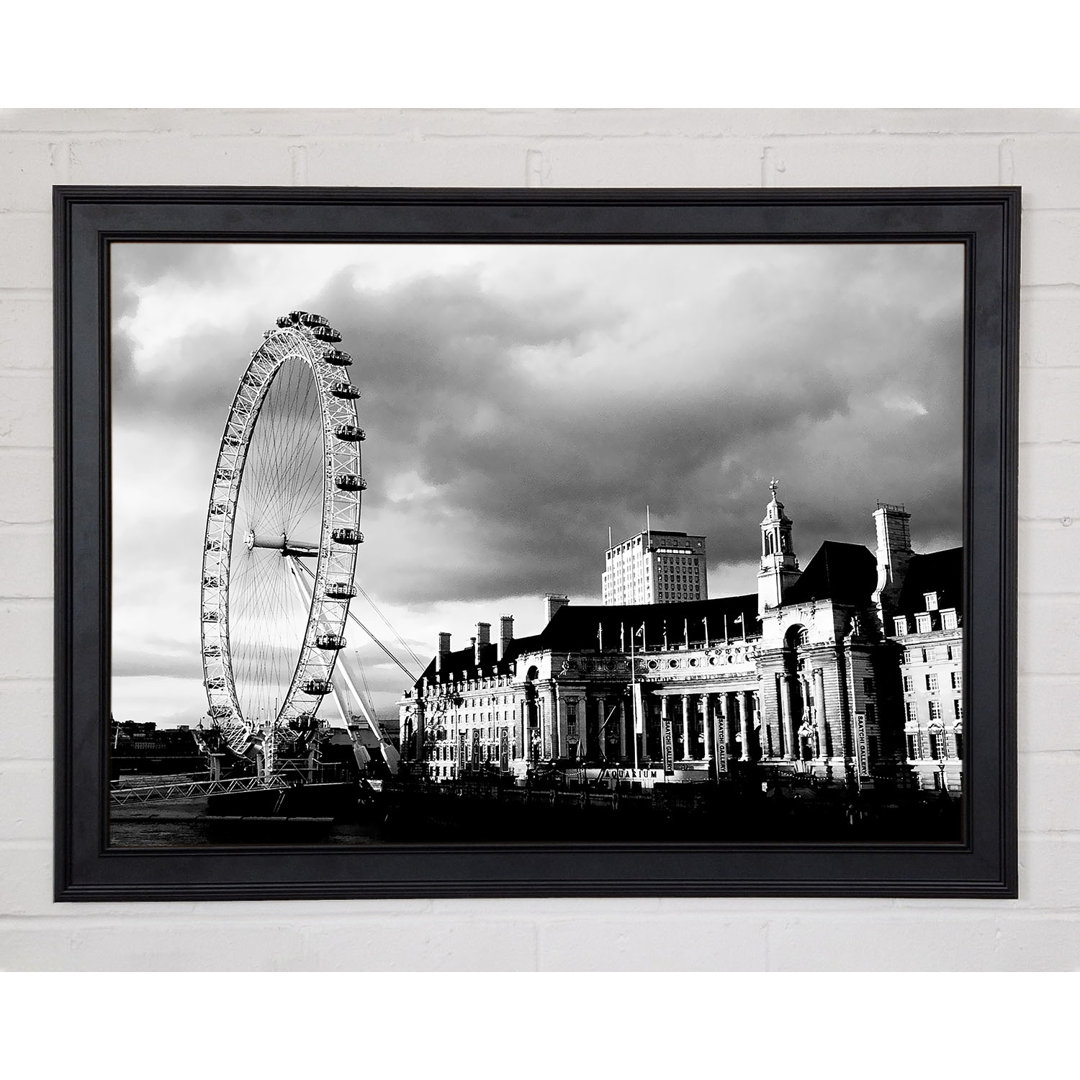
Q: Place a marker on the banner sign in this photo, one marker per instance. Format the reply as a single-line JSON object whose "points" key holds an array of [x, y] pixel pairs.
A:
{"points": [[860, 743], [668, 746], [461, 753], [504, 750]]}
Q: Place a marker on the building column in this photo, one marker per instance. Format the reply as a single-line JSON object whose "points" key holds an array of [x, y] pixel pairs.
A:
{"points": [[707, 724], [622, 729], [522, 732], [748, 710], [687, 749], [722, 763], [819, 713], [602, 727], [727, 725], [790, 749], [744, 726], [558, 724], [665, 717], [643, 745]]}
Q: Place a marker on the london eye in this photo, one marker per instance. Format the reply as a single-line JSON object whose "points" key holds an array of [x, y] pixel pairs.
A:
{"points": [[282, 535]]}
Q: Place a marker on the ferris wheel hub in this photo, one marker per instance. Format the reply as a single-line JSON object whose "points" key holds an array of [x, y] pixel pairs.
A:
{"points": [[300, 548]]}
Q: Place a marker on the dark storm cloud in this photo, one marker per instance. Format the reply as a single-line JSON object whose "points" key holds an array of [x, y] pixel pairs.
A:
{"points": [[136, 267], [845, 383]]}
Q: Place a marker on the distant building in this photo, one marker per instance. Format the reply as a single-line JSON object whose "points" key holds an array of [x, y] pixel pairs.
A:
{"points": [[655, 568], [847, 670]]}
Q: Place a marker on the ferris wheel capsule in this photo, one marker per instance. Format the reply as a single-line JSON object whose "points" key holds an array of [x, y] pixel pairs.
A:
{"points": [[340, 590], [347, 536], [350, 482], [350, 433], [344, 390]]}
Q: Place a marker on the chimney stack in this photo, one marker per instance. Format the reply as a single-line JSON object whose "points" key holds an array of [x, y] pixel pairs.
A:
{"points": [[483, 637], [893, 526], [444, 652], [506, 634], [552, 603]]}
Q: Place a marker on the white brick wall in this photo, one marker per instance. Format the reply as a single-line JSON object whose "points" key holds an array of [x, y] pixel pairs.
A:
{"points": [[1038, 149]]}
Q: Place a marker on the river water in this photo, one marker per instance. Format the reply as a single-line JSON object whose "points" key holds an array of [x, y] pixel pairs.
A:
{"points": [[185, 824]]}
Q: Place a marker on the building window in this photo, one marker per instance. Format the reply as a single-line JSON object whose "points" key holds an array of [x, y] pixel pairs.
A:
{"points": [[910, 713], [871, 712], [868, 686], [958, 738], [913, 748], [956, 679], [935, 710], [900, 625], [930, 599], [909, 683], [958, 709], [948, 619], [936, 740], [931, 682], [922, 624]]}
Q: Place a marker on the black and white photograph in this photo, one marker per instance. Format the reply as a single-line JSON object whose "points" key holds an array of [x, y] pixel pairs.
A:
{"points": [[553, 543]]}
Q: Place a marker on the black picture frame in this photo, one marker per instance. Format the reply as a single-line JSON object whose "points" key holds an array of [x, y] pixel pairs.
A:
{"points": [[88, 219]]}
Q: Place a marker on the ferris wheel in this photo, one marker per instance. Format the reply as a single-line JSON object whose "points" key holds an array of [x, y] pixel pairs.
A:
{"points": [[282, 532]]}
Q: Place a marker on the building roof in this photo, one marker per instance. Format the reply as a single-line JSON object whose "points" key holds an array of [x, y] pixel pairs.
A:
{"points": [[941, 572], [843, 573], [576, 628]]}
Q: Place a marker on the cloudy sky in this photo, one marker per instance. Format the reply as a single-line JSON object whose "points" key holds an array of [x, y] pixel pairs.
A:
{"points": [[518, 401]]}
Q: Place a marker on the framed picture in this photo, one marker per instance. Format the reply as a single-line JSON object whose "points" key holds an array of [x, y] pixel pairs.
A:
{"points": [[522, 543]]}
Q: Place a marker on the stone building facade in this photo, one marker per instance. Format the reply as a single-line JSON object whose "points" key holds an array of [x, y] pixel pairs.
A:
{"points": [[809, 675], [926, 626]]}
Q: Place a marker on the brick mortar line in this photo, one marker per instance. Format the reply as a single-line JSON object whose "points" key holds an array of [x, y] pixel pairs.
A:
{"points": [[414, 124], [288, 921]]}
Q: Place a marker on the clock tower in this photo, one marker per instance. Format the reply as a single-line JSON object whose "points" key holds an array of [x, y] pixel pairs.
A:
{"points": [[779, 566]]}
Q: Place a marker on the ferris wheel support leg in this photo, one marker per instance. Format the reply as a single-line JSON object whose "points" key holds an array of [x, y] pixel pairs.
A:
{"points": [[360, 751], [389, 752]]}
